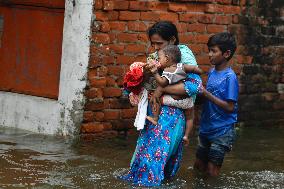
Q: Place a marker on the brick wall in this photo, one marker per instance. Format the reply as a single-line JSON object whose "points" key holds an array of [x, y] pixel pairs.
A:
{"points": [[261, 37], [119, 37]]}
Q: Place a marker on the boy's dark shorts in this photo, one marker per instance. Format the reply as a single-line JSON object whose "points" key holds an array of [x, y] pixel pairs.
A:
{"points": [[214, 150]]}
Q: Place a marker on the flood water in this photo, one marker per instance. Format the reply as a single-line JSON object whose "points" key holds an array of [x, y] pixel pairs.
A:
{"points": [[29, 160]]}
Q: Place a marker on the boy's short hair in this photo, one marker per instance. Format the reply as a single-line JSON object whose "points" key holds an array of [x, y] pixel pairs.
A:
{"points": [[173, 52], [225, 41]]}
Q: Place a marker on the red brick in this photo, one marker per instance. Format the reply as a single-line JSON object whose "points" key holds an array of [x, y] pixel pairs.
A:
{"points": [[127, 37], [99, 49], [115, 70], [186, 38], [244, 59], [101, 38], [182, 27], [200, 28], [159, 6], [111, 82], [226, 2], [92, 73], [107, 127], [107, 103], [182, 7], [99, 116], [103, 16], [104, 27], [122, 125], [88, 116], [94, 127], [116, 5], [99, 82], [124, 59], [115, 48], [205, 68], [98, 4], [111, 114], [215, 8], [120, 81], [94, 93], [188, 17], [143, 37], [150, 16], [215, 28], [135, 48], [138, 5], [235, 19], [117, 26], [108, 60], [140, 58], [243, 2], [202, 60], [169, 16], [206, 18], [112, 92], [128, 15], [102, 71], [94, 106], [202, 38], [197, 48], [232, 10], [223, 19], [128, 113], [137, 26], [113, 37], [119, 104], [95, 61]]}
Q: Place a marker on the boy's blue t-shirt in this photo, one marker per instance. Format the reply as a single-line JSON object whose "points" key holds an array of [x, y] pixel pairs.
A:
{"points": [[215, 121]]}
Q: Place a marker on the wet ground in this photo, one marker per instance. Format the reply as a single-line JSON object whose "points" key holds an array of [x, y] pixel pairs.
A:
{"points": [[29, 160]]}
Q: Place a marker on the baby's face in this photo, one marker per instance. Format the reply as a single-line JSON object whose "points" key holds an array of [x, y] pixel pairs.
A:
{"points": [[163, 59]]}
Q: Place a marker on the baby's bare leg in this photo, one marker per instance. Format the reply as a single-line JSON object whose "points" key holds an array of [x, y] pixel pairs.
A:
{"points": [[189, 117]]}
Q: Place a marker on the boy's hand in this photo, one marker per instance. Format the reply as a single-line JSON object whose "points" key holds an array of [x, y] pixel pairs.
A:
{"points": [[202, 90], [185, 141]]}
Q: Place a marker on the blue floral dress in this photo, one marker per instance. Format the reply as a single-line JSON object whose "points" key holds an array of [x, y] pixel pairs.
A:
{"points": [[159, 147]]}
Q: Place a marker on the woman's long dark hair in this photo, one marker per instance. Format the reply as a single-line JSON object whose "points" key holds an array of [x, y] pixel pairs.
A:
{"points": [[165, 29]]}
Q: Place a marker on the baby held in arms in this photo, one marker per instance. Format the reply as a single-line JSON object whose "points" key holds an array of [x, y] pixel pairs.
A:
{"points": [[173, 72]]}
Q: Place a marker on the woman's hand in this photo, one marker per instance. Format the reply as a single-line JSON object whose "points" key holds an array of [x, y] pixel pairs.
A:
{"points": [[158, 92], [153, 102]]}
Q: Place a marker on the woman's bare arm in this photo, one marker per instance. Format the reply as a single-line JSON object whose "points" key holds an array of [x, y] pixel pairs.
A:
{"points": [[192, 69]]}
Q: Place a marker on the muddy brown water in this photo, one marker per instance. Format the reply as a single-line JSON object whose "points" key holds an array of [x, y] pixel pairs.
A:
{"points": [[29, 160]]}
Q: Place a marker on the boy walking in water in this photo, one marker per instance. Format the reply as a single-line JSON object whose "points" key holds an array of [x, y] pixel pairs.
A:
{"points": [[219, 114]]}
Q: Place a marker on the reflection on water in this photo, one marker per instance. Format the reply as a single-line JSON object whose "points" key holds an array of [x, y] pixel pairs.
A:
{"points": [[29, 160]]}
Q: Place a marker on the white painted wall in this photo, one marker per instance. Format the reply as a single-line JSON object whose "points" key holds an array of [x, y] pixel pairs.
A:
{"points": [[63, 116]]}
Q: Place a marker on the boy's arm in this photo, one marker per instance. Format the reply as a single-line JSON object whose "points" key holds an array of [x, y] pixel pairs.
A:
{"points": [[162, 81], [226, 105], [231, 91], [192, 69]]}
